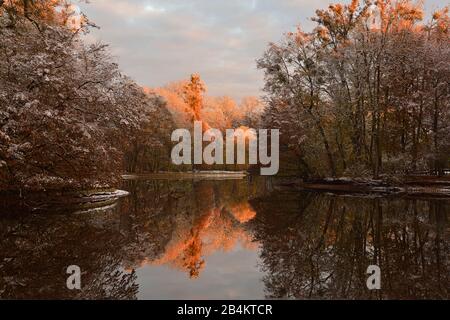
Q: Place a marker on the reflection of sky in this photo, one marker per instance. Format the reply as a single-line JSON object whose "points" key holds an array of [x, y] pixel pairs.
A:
{"points": [[158, 41], [227, 275]]}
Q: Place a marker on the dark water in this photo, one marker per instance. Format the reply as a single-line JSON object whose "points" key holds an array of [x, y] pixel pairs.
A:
{"points": [[231, 240]]}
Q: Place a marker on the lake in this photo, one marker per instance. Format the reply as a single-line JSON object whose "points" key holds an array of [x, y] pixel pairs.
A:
{"points": [[229, 239]]}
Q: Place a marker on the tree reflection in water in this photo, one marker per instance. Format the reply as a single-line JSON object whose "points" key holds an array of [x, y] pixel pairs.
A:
{"points": [[161, 222], [194, 219], [310, 245], [36, 251], [319, 246]]}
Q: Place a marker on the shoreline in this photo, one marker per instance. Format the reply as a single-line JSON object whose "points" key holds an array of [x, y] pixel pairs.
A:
{"points": [[196, 175], [346, 186], [59, 201], [426, 187]]}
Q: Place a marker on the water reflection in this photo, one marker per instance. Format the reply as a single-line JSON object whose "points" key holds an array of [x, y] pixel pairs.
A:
{"points": [[229, 239], [318, 246], [189, 221]]}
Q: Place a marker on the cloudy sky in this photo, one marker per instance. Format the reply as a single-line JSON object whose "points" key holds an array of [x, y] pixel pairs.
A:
{"points": [[159, 41]]}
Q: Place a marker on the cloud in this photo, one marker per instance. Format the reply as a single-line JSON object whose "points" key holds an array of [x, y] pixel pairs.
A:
{"points": [[159, 41]]}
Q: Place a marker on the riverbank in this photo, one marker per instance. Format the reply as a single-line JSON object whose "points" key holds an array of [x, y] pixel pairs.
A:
{"points": [[59, 201], [415, 186], [195, 175], [75, 201]]}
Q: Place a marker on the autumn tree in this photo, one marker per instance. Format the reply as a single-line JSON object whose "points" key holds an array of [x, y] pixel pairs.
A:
{"points": [[252, 109], [193, 96], [44, 12], [173, 96], [368, 83], [222, 113]]}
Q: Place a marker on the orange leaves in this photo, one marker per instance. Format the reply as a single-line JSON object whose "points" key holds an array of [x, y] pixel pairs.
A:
{"points": [[398, 15], [354, 5], [187, 102], [193, 95], [441, 20], [243, 212], [323, 34], [335, 23], [338, 9], [301, 37], [408, 11], [441, 14], [218, 228], [338, 20]]}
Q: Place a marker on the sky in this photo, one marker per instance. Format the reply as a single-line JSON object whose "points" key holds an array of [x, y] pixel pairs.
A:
{"points": [[156, 42]]}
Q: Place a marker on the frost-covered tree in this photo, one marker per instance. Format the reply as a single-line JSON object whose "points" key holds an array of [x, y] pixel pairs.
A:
{"points": [[366, 91], [252, 109], [67, 114]]}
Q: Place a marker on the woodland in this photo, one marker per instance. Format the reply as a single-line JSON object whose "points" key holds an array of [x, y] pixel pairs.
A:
{"points": [[363, 94]]}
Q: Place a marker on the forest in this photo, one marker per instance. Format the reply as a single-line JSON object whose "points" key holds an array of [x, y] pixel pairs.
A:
{"points": [[366, 93], [363, 94]]}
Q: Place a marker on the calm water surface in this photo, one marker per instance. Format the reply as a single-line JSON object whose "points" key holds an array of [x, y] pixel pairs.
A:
{"points": [[230, 239]]}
